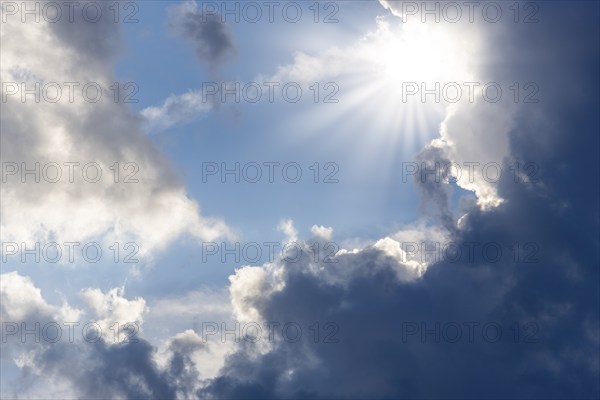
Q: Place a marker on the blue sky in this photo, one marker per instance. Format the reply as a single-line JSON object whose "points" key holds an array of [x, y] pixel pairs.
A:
{"points": [[468, 130], [211, 138], [359, 205]]}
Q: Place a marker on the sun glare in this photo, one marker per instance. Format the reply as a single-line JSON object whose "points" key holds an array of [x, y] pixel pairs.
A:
{"points": [[374, 105], [417, 52]]}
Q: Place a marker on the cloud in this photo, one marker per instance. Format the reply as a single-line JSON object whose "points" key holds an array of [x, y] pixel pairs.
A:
{"points": [[182, 366], [112, 307], [550, 301], [472, 131], [544, 297], [477, 135], [176, 109], [74, 367], [207, 33], [287, 228], [322, 232], [153, 209], [22, 301], [125, 370], [549, 293]]}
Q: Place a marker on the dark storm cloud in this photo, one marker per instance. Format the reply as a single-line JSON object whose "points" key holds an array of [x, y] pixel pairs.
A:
{"points": [[98, 370], [557, 290], [209, 36], [553, 301], [125, 370], [551, 293]]}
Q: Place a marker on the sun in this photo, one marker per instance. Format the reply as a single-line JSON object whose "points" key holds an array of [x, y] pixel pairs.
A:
{"points": [[374, 114], [418, 52]]}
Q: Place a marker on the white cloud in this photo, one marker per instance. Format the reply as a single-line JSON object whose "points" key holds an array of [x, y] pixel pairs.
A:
{"points": [[477, 135], [286, 226], [176, 109], [112, 307], [251, 286], [23, 301], [46, 369], [322, 232], [247, 286], [153, 212]]}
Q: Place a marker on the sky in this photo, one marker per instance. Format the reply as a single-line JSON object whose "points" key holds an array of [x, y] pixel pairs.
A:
{"points": [[311, 199]]}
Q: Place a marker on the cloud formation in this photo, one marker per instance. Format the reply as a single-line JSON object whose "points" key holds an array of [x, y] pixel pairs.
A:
{"points": [[550, 294], [92, 127], [206, 32], [397, 319]]}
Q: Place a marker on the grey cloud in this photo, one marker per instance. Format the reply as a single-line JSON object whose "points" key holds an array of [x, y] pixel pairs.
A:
{"points": [[91, 41], [210, 37], [124, 370], [98, 370], [81, 131], [433, 185], [557, 292]]}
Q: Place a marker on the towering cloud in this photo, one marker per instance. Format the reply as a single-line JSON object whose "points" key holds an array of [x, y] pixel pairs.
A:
{"points": [[528, 324]]}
